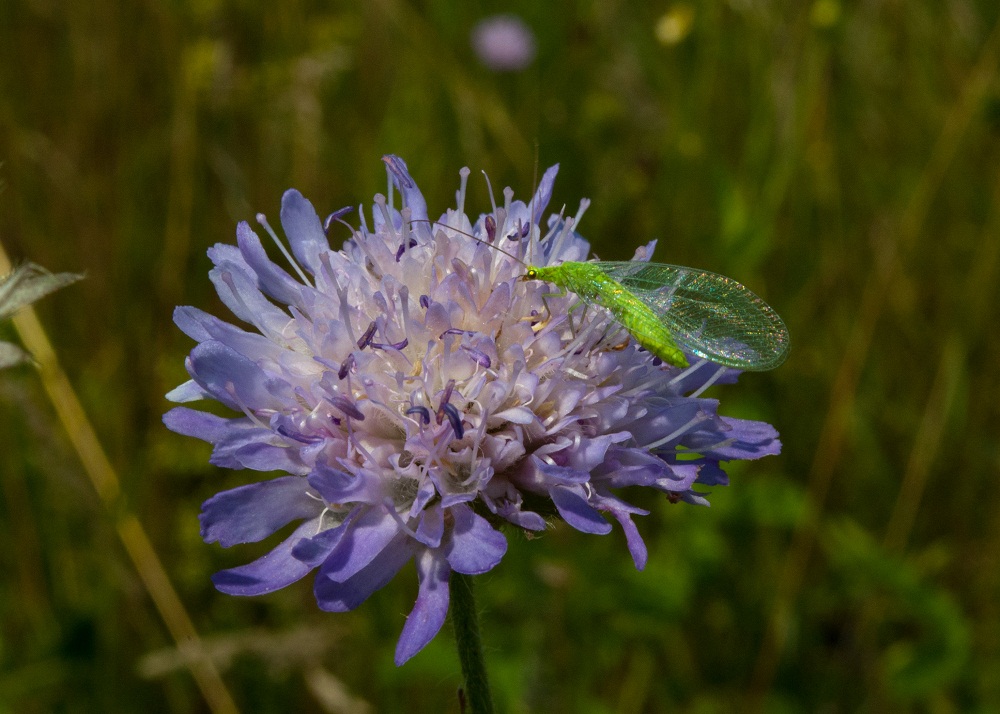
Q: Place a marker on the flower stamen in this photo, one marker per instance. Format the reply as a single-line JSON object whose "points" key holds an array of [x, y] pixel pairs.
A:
{"points": [[366, 339], [262, 220], [708, 383], [698, 418]]}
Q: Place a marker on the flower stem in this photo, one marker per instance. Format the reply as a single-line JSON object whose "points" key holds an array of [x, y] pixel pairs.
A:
{"points": [[470, 649]]}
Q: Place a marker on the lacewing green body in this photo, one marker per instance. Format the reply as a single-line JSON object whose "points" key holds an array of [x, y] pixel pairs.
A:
{"points": [[669, 309]]}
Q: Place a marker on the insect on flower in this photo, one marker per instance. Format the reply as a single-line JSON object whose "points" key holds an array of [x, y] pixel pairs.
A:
{"points": [[406, 399], [666, 307]]}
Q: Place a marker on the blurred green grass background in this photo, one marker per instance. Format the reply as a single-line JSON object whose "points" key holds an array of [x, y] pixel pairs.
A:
{"points": [[841, 158]]}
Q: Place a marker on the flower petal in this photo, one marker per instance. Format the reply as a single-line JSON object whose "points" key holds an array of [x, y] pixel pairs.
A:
{"points": [[475, 546], [270, 278], [636, 545], [316, 548], [575, 510], [539, 202], [431, 608], [745, 439], [711, 474], [412, 198], [304, 230], [372, 533], [431, 527], [511, 510], [341, 596], [239, 443], [237, 288], [235, 380], [268, 573], [200, 326], [342, 487], [251, 513], [190, 391]]}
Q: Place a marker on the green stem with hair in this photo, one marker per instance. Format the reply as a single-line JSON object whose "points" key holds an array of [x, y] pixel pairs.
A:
{"points": [[470, 649]]}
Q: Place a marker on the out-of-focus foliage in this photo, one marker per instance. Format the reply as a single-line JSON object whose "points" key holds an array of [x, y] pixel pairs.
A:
{"points": [[840, 158], [20, 287]]}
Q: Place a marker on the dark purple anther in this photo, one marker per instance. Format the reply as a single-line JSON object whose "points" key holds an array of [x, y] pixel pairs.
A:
{"points": [[448, 389], [491, 228], [481, 358], [454, 331], [347, 407], [395, 345], [412, 243], [424, 412], [346, 366], [335, 216], [425, 302], [366, 339], [302, 438], [398, 170], [522, 231], [455, 418]]}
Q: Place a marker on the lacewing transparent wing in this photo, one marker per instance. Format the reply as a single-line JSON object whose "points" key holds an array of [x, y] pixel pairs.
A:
{"points": [[708, 314]]}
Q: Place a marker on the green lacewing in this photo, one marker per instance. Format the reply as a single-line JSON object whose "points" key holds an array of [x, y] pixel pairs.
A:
{"points": [[669, 309]]}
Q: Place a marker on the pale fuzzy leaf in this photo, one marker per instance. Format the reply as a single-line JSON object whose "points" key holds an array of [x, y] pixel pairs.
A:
{"points": [[11, 355], [28, 283]]}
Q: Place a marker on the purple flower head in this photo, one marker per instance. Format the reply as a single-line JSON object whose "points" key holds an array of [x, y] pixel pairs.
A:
{"points": [[418, 395], [504, 43]]}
